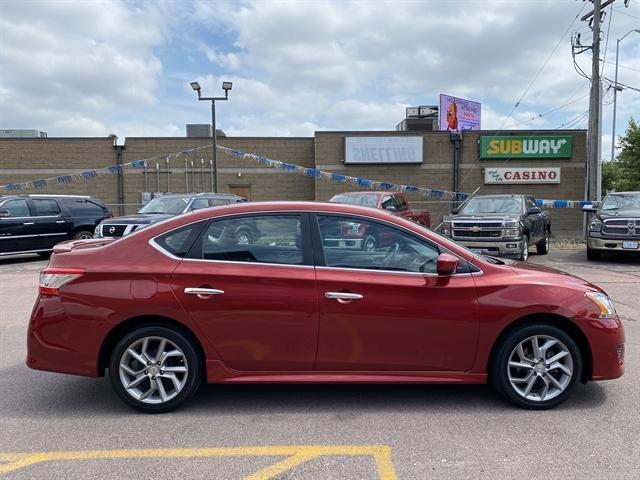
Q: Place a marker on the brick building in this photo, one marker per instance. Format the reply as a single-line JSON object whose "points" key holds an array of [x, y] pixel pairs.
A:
{"points": [[25, 159]]}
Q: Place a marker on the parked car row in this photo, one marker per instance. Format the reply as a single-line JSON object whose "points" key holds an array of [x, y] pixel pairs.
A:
{"points": [[496, 225]]}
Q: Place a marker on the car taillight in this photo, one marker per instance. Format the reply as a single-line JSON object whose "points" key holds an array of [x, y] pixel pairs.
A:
{"points": [[51, 279]]}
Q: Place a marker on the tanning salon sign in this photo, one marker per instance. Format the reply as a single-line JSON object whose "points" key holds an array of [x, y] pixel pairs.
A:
{"points": [[526, 146], [521, 175]]}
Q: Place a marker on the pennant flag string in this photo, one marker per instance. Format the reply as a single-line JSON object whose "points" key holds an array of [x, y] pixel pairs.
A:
{"points": [[287, 167]]}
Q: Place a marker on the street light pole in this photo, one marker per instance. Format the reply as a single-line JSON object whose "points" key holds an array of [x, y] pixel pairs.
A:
{"points": [[226, 86], [615, 95]]}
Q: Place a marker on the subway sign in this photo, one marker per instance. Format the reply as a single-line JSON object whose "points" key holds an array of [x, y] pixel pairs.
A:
{"points": [[526, 146]]}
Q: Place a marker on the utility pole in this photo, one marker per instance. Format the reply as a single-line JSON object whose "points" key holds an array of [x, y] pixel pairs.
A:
{"points": [[593, 163]]}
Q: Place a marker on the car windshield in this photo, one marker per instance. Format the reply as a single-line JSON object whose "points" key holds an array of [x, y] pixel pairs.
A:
{"points": [[172, 206], [622, 201], [493, 205], [365, 200]]}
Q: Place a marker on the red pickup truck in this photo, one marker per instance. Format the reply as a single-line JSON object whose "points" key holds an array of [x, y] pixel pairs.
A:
{"points": [[392, 201]]}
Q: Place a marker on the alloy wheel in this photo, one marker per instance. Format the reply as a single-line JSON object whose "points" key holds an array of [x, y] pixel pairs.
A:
{"points": [[540, 368], [153, 370]]}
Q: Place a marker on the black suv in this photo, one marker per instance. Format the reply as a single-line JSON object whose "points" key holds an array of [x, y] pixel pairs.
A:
{"points": [[161, 208], [35, 223]]}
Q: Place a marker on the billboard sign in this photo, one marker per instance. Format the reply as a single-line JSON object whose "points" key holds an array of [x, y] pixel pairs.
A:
{"points": [[521, 175], [383, 149], [526, 146], [458, 114]]}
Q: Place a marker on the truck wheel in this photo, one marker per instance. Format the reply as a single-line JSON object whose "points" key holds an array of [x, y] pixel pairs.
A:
{"points": [[592, 254], [524, 255], [543, 247]]}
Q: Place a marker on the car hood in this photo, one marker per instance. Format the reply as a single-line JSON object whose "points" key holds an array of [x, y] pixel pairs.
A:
{"points": [[483, 217], [139, 219], [628, 213], [548, 274]]}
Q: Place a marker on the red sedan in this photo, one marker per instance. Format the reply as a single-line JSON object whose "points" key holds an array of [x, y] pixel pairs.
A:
{"points": [[182, 301]]}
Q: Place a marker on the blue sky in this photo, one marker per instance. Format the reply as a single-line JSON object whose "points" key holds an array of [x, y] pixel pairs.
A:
{"points": [[98, 67]]}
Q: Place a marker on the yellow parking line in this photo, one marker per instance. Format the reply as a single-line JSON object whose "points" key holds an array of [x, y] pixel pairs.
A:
{"points": [[296, 455]]}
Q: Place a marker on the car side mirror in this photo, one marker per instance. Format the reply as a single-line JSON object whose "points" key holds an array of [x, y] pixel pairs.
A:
{"points": [[589, 208], [446, 264], [5, 213], [533, 211], [391, 208]]}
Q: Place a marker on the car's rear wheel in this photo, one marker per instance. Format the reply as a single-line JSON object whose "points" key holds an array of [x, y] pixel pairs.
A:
{"points": [[369, 243], [83, 235], [536, 366], [154, 369]]}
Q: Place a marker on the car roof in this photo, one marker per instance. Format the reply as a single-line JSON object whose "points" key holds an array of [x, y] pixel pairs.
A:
{"points": [[369, 192], [623, 193], [200, 195], [44, 195]]}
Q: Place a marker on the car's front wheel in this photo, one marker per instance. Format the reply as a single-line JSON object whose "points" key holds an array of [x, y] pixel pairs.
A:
{"points": [[154, 369], [536, 366]]}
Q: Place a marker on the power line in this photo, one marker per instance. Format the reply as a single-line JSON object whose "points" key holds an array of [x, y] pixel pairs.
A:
{"points": [[540, 115]]}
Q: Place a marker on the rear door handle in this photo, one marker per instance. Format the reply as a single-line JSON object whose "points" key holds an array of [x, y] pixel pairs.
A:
{"points": [[61, 221], [28, 223], [203, 292], [343, 296]]}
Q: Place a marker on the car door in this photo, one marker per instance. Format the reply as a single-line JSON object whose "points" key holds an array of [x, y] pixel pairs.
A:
{"points": [[16, 227], [50, 225], [255, 302], [386, 309]]}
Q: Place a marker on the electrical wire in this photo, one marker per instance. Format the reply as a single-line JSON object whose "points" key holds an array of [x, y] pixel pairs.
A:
{"points": [[540, 115], [606, 41], [573, 121]]}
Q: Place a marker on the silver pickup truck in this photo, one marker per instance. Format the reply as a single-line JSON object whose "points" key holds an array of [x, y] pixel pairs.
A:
{"points": [[615, 227], [500, 225]]}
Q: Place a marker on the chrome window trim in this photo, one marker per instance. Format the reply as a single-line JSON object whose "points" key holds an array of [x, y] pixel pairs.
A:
{"points": [[397, 272], [152, 242]]}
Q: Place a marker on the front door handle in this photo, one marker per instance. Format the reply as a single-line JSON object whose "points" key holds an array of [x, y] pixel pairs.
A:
{"points": [[343, 297], [203, 292], [28, 223], [61, 221]]}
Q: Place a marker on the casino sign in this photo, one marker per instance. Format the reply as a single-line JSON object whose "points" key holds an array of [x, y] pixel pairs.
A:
{"points": [[521, 175]]}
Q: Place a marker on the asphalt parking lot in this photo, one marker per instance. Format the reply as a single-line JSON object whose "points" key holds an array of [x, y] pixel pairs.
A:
{"points": [[56, 426]]}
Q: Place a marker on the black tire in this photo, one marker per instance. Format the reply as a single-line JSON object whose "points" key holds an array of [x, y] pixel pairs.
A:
{"points": [[592, 254], [243, 237], [542, 248], [524, 254], [190, 380], [369, 243], [82, 235], [500, 369]]}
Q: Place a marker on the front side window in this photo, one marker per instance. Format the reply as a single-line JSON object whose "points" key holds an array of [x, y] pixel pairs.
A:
{"points": [[15, 208], [199, 203], [352, 242], [166, 205], [253, 238], [45, 207]]}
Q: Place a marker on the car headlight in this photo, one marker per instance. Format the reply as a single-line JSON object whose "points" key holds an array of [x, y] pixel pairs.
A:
{"points": [[595, 225], [604, 304], [511, 224], [446, 228], [512, 233], [97, 233]]}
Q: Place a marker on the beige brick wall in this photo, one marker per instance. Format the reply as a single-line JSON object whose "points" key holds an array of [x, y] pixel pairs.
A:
{"points": [[23, 160]]}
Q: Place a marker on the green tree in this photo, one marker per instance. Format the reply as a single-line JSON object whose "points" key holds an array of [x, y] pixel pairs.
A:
{"points": [[624, 173]]}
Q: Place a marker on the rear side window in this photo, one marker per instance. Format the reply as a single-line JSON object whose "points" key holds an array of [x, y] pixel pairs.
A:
{"points": [[179, 241], [215, 202], [45, 207], [80, 207], [273, 239]]}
